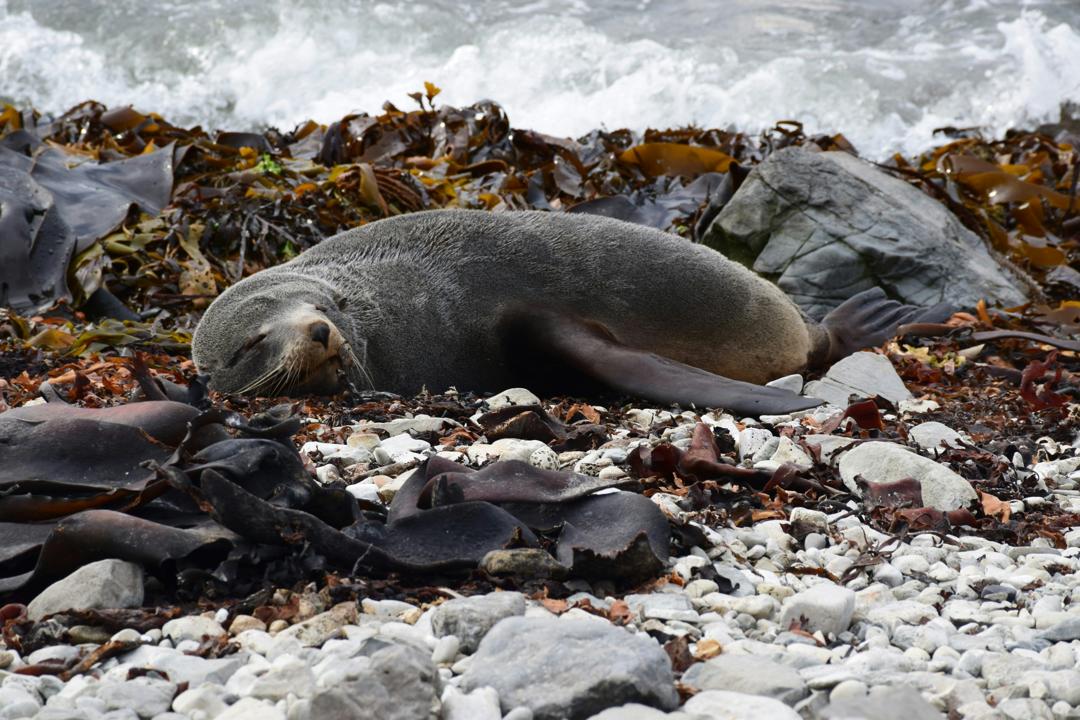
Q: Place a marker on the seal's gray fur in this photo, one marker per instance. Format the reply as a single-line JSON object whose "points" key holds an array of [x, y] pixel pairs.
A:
{"points": [[423, 294]]}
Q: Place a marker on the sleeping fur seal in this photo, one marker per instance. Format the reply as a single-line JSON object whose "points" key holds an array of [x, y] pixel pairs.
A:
{"points": [[557, 302]]}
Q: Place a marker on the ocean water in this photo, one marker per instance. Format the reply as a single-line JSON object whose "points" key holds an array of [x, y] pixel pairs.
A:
{"points": [[884, 72]]}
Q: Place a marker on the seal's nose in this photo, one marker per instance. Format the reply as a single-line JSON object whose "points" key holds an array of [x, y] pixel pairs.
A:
{"points": [[320, 333]]}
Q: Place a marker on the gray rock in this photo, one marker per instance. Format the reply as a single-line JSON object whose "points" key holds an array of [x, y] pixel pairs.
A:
{"points": [[825, 607], [183, 668], [748, 674], [400, 684], [930, 435], [512, 396], [208, 698], [146, 696], [1064, 631], [471, 618], [251, 709], [724, 705], [570, 668], [662, 606], [888, 462], [192, 627], [635, 711], [883, 703], [863, 374], [17, 702], [480, 704], [791, 383], [99, 585], [828, 225]]}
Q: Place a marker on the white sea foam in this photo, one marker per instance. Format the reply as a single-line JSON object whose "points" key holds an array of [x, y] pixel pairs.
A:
{"points": [[887, 78]]}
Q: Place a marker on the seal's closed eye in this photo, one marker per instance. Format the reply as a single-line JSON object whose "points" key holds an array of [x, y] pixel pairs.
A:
{"points": [[248, 344]]}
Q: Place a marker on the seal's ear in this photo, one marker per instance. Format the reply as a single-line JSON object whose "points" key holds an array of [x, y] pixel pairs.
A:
{"points": [[567, 343]]}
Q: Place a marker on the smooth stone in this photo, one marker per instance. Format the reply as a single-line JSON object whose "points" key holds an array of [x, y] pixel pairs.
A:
{"points": [[183, 668], [252, 709], [471, 618], [240, 623], [863, 374], [726, 705], [930, 436], [636, 711], [825, 607], [570, 668], [884, 462], [1065, 631], [401, 683], [207, 698], [104, 584], [480, 704], [193, 627], [147, 696], [512, 396], [748, 674], [884, 703], [791, 383], [318, 629], [662, 606]]}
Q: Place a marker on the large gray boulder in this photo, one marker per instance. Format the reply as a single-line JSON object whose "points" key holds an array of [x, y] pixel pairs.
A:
{"points": [[826, 226], [570, 668]]}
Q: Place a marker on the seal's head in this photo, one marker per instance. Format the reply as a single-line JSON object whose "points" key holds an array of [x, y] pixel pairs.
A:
{"points": [[278, 338]]}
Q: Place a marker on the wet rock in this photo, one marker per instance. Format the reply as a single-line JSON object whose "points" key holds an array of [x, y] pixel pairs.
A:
{"points": [[828, 225], [882, 462], [570, 668], [726, 705], [471, 618], [825, 607], [750, 675], [863, 374], [99, 585], [401, 683]]}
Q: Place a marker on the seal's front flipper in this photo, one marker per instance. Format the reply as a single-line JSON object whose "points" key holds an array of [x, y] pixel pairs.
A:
{"points": [[553, 345], [869, 319]]}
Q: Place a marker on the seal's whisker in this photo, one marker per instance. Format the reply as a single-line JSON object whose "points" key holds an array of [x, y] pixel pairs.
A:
{"points": [[259, 381]]}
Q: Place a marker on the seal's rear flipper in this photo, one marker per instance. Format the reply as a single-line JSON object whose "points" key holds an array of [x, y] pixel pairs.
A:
{"points": [[568, 344], [869, 319]]}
